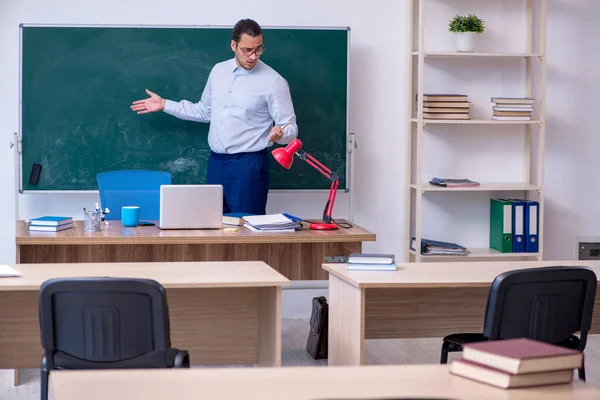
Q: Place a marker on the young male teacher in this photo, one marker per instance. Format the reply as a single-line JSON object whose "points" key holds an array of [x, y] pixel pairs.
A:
{"points": [[242, 98]]}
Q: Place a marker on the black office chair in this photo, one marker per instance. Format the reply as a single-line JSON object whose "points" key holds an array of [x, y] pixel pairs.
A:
{"points": [[547, 304], [104, 323]]}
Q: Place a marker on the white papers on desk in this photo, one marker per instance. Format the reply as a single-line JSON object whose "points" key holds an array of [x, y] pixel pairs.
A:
{"points": [[270, 223], [7, 272], [254, 229]]}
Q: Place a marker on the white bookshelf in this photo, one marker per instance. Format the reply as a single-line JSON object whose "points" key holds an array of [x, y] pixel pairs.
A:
{"points": [[533, 59], [473, 122], [484, 187], [454, 54]]}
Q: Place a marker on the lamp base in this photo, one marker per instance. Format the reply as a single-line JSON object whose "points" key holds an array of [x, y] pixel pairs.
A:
{"points": [[323, 226]]}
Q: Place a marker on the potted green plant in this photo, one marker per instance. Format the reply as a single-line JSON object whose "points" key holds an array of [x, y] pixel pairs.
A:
{"points": [[465, 28]]}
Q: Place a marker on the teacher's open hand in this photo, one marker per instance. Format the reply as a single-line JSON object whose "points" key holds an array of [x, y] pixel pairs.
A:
{"points": [[151, 104]]}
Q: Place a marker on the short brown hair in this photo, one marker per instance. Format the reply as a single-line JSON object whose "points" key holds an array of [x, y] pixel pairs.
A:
{"points": [[247, 26]]}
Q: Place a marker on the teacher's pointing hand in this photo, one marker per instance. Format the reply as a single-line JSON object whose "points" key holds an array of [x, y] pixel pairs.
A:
{"points": [[151, 104]]}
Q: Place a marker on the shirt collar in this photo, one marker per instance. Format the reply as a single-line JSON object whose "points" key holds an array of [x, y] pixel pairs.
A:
{"points": [[241, 71]]}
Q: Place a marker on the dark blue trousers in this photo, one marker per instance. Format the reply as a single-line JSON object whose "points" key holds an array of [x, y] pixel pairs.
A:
{"points": [[245, 180]]}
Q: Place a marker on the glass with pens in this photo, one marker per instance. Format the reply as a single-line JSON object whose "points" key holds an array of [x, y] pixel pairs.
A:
{"points": [[93, 219]]}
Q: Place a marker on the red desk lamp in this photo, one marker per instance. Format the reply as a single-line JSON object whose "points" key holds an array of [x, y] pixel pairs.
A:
{"points": [[285, 157]]}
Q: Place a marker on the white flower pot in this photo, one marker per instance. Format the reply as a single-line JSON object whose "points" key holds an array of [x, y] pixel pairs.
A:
{"points": [[464, 41]]}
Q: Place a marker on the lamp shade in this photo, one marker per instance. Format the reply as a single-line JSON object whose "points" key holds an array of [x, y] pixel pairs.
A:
{"points": [[285, 155]]}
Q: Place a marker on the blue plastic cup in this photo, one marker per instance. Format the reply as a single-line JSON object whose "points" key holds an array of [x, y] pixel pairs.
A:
{"points": [[130, 215]]}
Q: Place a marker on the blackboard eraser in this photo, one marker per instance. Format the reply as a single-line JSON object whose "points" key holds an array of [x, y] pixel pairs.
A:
{"points": [[36, 169]]}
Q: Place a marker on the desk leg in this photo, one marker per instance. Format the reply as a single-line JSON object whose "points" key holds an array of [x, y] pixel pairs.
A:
{"points": [[16, 376], [269, 327], [346, 323]]}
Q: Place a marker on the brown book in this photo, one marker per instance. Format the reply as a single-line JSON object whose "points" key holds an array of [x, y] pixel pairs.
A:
{"points": [[446, 110], [504, 380], [519, 356], [445, 116], [513, 113], [453, 104], [444, 97]]}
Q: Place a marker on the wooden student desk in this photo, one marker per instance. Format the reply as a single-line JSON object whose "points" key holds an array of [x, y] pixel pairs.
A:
{"points": [[416, 301], [221, 312], [296, 255], [297, 383]]}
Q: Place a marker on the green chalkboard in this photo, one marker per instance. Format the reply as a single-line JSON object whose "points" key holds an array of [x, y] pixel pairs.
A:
{"points": [[77, 84]]}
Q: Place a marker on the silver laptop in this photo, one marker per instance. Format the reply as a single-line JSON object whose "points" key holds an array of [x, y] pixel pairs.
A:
{"points": [[191, 207]]}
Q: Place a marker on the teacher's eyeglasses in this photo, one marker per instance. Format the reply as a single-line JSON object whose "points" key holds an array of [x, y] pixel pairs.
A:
{"points": [[259, 50]]}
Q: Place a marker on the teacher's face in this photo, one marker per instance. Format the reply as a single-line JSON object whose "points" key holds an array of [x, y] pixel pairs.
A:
{"points": [[248, 50]]}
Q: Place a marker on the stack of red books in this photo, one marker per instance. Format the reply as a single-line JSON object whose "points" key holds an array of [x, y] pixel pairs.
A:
{"points": [[513, 363]]}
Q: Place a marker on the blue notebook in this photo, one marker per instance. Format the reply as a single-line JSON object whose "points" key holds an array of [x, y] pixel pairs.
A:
{"points": [[50, 220]]}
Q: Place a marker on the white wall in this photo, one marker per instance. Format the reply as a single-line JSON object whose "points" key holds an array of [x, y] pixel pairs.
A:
{"points": [[573, 135], [379, 65]]}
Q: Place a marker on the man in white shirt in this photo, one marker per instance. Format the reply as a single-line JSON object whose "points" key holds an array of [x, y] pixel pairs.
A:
{"points": [[242, 98]]}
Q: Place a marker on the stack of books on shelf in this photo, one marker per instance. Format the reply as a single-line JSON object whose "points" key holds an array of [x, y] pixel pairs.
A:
{"points": [[445, 182], [371, 262], [514, 363], [446, 106], [50, 223], [438, 248], [514, 225], [271, 223], [512, 108]]}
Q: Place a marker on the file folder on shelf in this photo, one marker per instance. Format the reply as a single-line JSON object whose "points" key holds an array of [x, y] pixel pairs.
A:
{"points": [[531, 223], [518, 222], [501, 222]]}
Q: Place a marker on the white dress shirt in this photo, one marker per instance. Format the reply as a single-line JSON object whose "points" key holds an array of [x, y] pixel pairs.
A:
{"points": [[241, 106]]}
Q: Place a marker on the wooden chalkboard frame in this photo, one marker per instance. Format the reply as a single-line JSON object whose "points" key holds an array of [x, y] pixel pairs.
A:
{"points": [[350, 141]]}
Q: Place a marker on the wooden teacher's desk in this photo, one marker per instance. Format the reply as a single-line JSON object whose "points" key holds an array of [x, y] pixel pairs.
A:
{"points": [[296, 255], [416, 301], [221, 312], [298, 383]]}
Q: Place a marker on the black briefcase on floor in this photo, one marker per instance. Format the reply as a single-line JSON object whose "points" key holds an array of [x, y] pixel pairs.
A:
{"points": [[316, 345]]}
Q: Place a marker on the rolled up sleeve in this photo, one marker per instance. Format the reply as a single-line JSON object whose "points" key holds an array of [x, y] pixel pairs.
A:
{"points": [[281, 109]]}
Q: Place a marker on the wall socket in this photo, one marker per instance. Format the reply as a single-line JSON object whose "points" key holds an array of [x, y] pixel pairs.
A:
{"points": [[589, 250]]}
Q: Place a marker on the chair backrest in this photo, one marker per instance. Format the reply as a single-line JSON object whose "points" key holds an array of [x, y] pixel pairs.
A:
{"points": [[547, 304], [104, 319], [132, 188]]}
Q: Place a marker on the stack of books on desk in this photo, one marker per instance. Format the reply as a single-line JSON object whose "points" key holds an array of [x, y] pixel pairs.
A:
{"points": [[446, 106], [512, 108], [236, 219], [271, 223], [50, 223], [371, 262], [513, 363], [438, 248]]}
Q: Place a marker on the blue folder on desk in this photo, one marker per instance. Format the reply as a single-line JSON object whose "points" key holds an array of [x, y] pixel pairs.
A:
{"points": [[293, 217]]}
